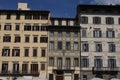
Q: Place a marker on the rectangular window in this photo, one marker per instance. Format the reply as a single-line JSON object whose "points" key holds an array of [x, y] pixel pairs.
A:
{"points": [[34, 52], [51, 77], [75, 34], [76, 62], [84, 62], [25, 68], [84, 33], [51, 45], [6, 52], [35, 39], [7, 27], [7, 38], [15, 52], [75, 45], [34, 68], [17, 27], [59, 22], [51, 33], [44, 16], [59, 45], [97, 33], [26, 52], [28, 16], [110, 33], [85, 77], [4, 68], [68, 47], [59, 33], [98, 47], [27, 38], [59, 63], [43, 52], [15, 68], [76, 76], [85, 47], [42, 66], [112, 47], [98, 63], [35, 28], [17, 39], [51, 61], [27, 28], [96, 20], [43, 39], [68, 63], [83, 20], [109, 20], [36, 16], [43, 28], [17, 16], [111, 63], [68, 34], [8, 16]]}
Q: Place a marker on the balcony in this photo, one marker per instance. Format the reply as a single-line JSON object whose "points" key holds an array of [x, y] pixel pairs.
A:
{"points": [[62, 69], [105, 70], [19, 73]]}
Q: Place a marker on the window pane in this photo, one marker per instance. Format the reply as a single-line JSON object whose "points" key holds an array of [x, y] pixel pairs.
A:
{"points": [[96, 20], [5, 52], [59, 45], [51, 61], [85, 47], [68, 46], [84, 33], [16, 52], [4, 67], [75, 45], [51, 45], [109, 20], [84, 20], [84, 62], [98, 47], [26, 52], [98, 63]]}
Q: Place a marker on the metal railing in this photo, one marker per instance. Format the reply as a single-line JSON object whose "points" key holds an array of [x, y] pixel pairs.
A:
{"points": [[105, 68]]}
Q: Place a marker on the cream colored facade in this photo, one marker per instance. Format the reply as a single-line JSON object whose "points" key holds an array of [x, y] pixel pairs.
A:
{"points": [[38, 59]]}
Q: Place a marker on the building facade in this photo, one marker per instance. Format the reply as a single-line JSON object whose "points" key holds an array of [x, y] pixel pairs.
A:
{"points": [[63, 49], [100, 41], [23, 43]]}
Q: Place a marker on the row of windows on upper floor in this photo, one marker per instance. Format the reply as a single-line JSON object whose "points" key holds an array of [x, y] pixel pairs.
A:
{"points": [[97, 33], [17, 39], [97, 20], [27, 16], [63, 22], [98, 62], [61, 33], [16, 52], [8, 27], [84, 46], [17, 68]]}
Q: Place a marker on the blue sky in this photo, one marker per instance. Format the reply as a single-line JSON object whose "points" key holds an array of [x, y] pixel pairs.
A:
{"points": [[58, 8]]}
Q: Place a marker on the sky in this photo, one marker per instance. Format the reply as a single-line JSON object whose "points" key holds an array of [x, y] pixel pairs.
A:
{"points": [[57, 8]]}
